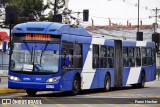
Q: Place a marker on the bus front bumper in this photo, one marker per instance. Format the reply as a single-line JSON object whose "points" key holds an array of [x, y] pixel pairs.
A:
{"points": [[34, 86]]}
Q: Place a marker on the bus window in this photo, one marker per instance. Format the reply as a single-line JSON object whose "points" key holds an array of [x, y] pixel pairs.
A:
{"points": [[149, 56], [138, 56], [153, 56], [67, 57], [103, 56], [78, 56], [131, 60], [95, 56], [110, 57], [125, 57], [36, 57], [144, 57]]}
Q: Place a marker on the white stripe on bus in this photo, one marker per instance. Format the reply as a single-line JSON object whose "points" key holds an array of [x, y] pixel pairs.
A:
{"points": [[88, 72], [141, 43], [134, 74]]}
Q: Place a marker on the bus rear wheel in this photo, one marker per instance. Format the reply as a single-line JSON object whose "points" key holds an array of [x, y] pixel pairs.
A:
{"points": [[142, 83], [75, 85], [31, 92], [107, 83]]}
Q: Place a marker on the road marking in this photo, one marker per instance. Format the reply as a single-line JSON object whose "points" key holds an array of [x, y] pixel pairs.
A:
{"points": [[33, 105], [140, 105], [101, 102], [51, 101], [86, 105], [5, 105], [157, 96], [157, 105]]}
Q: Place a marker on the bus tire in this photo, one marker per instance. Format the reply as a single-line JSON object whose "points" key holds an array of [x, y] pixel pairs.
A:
{"points": [[75, 85], [142, 82], [31, 92], [107, 83]]}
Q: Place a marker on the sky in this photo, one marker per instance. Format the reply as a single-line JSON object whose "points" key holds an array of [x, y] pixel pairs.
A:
{"points": [[119, 11]]}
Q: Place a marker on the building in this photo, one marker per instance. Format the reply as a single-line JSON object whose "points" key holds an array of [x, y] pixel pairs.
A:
{"points": [[122, 32]]}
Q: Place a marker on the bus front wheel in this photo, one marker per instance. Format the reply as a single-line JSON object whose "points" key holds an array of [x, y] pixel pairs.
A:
{"points": [[107, 83], [75, 85], [31, 92]]}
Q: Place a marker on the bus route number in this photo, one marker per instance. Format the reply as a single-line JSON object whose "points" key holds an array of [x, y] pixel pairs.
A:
{"points": [[44, 37]]}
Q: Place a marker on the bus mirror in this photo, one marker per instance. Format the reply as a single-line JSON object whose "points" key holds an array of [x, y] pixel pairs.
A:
{"points": [[4, 46]]}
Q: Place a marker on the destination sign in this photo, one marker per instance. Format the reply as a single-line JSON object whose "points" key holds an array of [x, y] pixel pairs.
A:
{"points": [[34, 37], [44, 37]]}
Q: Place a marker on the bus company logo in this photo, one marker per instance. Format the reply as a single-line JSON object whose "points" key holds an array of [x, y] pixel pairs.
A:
{"points": [[6, 101], [26, 78], [38, 79]]}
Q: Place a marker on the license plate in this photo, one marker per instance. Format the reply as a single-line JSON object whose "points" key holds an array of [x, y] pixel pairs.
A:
{"points": [[49, 86]]}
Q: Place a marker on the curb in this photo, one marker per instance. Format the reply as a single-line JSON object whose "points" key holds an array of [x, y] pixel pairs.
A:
{"points": [[4, 91], [3, 76]]}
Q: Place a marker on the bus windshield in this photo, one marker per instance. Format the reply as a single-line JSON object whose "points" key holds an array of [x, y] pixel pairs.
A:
{"points": [[35, 57]]}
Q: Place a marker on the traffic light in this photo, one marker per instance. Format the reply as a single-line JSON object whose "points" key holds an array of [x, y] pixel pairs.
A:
{"points": [[156, 37], [57, 18], [11, 15], [140, 36], [85, 15]]}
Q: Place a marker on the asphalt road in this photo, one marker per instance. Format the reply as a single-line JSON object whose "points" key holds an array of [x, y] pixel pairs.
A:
{"points": [[93, 98]]}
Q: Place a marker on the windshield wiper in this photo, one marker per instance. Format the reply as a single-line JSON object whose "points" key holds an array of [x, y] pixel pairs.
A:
{"points": [[43, 51], [27, 47]]}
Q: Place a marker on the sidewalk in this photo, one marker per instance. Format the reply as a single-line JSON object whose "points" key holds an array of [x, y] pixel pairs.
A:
{"points": [[4, 87]]}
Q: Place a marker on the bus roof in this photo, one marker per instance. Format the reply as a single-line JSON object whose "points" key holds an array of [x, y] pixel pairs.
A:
{"points": [[49, 28]]}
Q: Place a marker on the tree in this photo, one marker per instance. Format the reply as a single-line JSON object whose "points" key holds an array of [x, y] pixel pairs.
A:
{"points": [[60, 5], [29, 10], [4, 2]]}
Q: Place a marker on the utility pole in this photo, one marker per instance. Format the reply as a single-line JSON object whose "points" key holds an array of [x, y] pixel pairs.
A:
{"points": [[156, 16], [55, 8], [139, 34], [138, 17]]}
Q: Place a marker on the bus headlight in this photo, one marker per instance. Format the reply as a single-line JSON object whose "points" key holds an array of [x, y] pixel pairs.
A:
{"points": [[14, 78], [53, 79]]}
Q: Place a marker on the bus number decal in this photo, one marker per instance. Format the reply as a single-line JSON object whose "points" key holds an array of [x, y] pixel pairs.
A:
{"points": [[37, 37]]}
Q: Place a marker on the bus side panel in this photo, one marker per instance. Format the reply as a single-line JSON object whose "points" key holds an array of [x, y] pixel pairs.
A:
{"points": [[149, 73], [134, 75], [89, 80], [101, 76], [88, 74], [153, 72], [125, 74], [67, 79]]}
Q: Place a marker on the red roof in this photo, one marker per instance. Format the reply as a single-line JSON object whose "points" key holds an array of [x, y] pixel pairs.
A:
{"points": [[130, 27]]}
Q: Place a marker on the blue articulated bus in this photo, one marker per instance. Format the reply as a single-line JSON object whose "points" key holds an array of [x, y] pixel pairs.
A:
{"points": [[47, 56]]}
